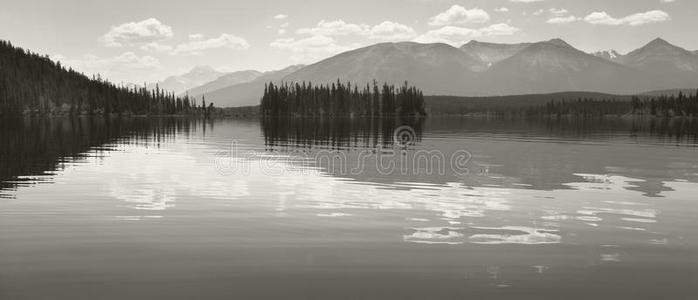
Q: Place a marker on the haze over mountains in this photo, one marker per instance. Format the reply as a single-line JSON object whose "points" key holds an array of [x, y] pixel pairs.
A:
{"points": [[483, 69]]}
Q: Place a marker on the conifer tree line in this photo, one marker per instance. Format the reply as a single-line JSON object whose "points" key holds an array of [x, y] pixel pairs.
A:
{"points": [[34, 84], [339, 99], [680, 105]]}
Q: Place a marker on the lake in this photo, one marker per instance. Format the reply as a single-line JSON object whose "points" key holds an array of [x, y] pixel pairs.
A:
{"points": [[435, 208]]}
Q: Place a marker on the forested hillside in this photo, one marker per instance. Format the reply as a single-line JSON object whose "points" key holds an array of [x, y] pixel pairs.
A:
{"points": [[32, 84]]}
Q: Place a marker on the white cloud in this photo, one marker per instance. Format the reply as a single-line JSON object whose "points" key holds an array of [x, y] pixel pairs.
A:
{"points": [[554, 12], [319, 42], [456, 36], [334, 28], [603, 18], [558, 12], [223, 41], [667, 1], [562, 20], [391, 31], [280, 16], [525, 1], [137, 33], [387, 30], [282, 28], [457, 14], [501, 9], [309, 49], [196, 36]]}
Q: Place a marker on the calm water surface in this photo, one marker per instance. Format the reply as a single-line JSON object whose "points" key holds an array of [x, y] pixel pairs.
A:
{"points": [[243, 209]]}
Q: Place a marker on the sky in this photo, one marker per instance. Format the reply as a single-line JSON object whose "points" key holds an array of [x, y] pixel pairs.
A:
{"points": [[134, 41]]}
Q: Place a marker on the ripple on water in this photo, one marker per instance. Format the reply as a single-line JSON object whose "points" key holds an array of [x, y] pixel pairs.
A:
{"points": [[435, 235], [490, 236], [515, 235]]}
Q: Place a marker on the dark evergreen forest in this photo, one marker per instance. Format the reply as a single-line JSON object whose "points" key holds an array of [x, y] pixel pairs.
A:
{"points": [[305, 99], [31, 84], [662, 106], [562, 104]]}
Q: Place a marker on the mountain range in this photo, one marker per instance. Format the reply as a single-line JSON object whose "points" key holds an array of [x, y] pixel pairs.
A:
{"points": [[244, 93], [226, 80], [483, 69], [197, 76]]}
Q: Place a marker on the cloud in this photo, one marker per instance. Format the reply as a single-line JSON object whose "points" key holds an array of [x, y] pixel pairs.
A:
{"points": [[309, 49], [197, 46], [137, 33], [555, 12], [391, 31], [318, 42], [501, 9], [334, 28], [667, 1], [456, 36], [196, 36], [525, 1], [280, 16], [457, 14], [282, 28], [562, 20], [603, 18], [387, 30], [558, 12]]}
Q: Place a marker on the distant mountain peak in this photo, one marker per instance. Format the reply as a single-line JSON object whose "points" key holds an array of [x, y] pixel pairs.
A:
{"points": [[659, 41], [661, 56], [490, 53], [195, 77], [559, 42], [203, 68], [475, 43]]}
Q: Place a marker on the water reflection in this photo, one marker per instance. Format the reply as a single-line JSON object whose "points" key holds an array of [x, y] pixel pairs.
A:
{"points": [[521, 154], [543, 169], [336, 133], [34, 149], [541, 202]]}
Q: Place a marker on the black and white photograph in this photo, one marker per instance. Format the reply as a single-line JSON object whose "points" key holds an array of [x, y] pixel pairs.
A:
{"points": [[364, 149]]}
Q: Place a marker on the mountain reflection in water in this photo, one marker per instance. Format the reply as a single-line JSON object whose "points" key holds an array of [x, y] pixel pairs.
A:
{"points": [[537, 207]]}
